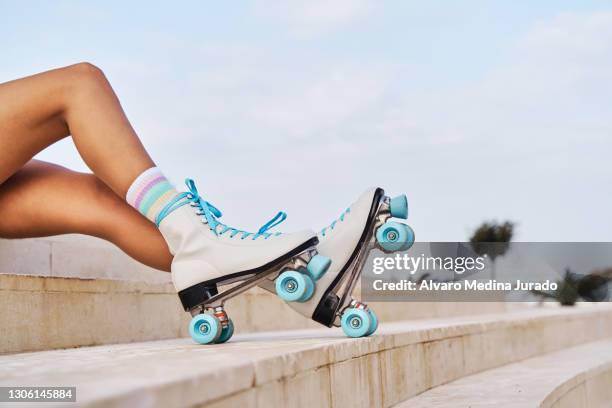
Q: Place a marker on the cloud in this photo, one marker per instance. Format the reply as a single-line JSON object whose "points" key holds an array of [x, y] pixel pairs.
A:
{"points": [[314, 18]]}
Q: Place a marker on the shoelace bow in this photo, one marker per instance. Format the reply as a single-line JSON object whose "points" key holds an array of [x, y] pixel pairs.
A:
{"points": [[211, 214]]}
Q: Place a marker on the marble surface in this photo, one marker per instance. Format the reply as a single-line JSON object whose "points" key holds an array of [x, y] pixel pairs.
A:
{"points": [[576, 377], [316, 367]]}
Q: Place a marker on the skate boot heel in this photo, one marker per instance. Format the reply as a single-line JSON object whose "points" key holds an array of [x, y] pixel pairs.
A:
{"points": [[197, 295]]}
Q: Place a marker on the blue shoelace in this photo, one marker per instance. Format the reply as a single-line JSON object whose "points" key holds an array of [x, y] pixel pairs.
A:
{"points": [[212, 214], [333, 224]]}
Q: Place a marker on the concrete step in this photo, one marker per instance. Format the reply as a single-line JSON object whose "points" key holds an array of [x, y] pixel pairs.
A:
{"points": [[577, 377], [73, 256], [43, 313], [317, 367]]}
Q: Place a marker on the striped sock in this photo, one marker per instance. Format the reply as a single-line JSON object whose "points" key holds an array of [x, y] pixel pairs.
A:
{"points": [[150, 192]]}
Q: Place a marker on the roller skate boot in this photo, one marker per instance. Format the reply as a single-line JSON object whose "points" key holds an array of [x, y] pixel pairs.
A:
{"points": [[209, 255], [347, 241]]}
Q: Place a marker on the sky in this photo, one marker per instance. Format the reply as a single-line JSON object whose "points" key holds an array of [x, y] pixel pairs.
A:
{"points": [[477, 110]]}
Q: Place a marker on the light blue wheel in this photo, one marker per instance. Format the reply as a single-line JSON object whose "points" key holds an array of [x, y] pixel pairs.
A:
{"points": [[204, 328], [356, 322], [410, 239], [318, 265], [395, 236], [226, 332], [373, 322], [293, 286], [399, 207], [310, 289]]}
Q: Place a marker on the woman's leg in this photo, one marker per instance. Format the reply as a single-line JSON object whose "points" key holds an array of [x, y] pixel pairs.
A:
{"points": [[38, 199], [43, 199], [39, 110]]}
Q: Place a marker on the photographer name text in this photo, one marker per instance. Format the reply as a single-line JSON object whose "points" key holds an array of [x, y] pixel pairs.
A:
{"points": [[468, 284]]}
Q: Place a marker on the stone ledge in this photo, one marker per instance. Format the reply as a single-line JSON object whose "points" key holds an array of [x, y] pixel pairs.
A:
{"points": [[42, 313], [73, 256], [576, 377], [311, 367], [25, 283]]}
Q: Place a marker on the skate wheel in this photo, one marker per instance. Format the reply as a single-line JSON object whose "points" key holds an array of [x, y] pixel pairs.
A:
{"points": [[204, 328], [399, 207], [373, 322], [318, 265], [226, 332], [293, 286], [310, 283], [356, 322], [395, 236]]}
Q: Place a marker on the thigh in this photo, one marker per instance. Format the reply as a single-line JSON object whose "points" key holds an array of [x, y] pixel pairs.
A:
{"points": [[43, 199], [40, 200], [31, 119]]}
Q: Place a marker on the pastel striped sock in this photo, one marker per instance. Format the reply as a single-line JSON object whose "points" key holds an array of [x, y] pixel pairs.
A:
{"points": [[150, 192]]}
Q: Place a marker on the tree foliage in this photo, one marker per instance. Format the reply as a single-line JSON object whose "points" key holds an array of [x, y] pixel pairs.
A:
{"points": [[492, 239], [573, 287]]}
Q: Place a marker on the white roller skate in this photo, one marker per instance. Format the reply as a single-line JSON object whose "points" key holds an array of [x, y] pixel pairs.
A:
{"points": [[208, 254], [347, 242]]}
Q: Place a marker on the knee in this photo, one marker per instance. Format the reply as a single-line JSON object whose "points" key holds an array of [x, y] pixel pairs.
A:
{"points": [[85, 70], [81, 83], [85, 76]]}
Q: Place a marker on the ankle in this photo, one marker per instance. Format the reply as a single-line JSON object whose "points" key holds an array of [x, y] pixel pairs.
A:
{"points": [[150, 193]]}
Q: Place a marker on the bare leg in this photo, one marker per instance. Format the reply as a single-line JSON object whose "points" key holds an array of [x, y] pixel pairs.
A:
{"points": [[39, 199], [43, 199], [37, 111]]}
